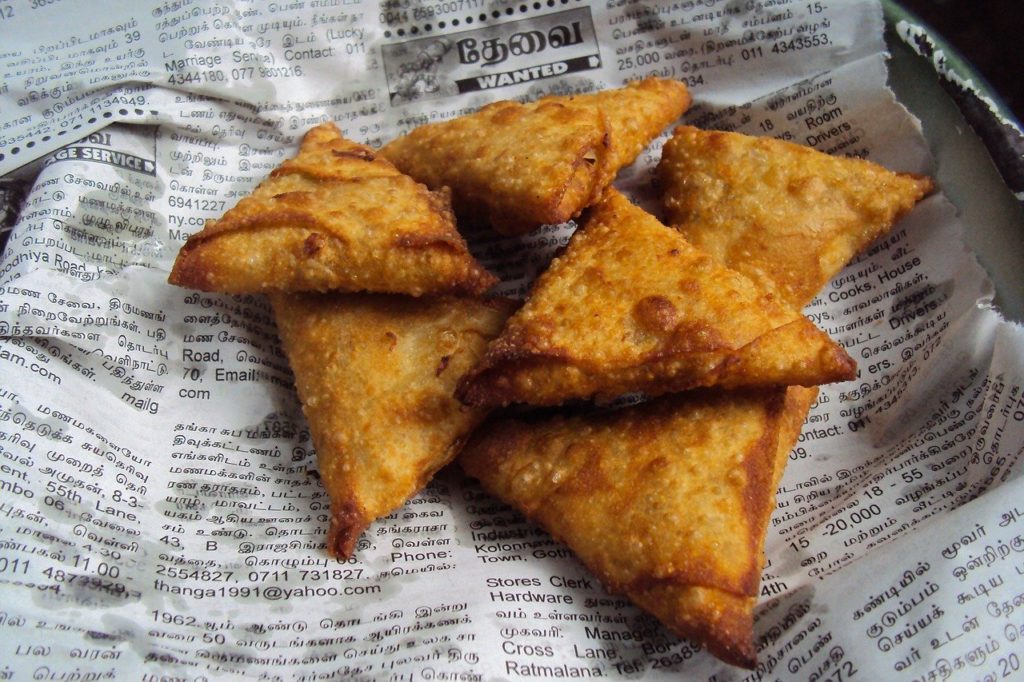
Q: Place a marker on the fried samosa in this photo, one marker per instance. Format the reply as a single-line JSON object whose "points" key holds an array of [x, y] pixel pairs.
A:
{"points": [[667, 501], [787, 216], [631, 306], [519, 166], [375, 375], [336, 217]]}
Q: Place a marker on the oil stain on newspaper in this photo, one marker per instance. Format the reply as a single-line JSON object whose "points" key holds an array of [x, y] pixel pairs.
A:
{"points": [[492, 56]]}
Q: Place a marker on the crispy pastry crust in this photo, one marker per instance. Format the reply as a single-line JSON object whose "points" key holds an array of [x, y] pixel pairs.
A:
{"points": [[334, 217], [631, 306], [667, 501], [518, 166], [375, 375], [785, 215]]}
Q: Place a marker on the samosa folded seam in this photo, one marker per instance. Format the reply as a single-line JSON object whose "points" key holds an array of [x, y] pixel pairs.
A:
{"points": [[335, 217]]}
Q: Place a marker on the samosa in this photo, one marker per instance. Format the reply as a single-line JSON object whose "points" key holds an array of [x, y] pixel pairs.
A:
{"points": [[375, 375], [787, 216], [667, 501], [336, 217], [631, 306], [519, 166]]}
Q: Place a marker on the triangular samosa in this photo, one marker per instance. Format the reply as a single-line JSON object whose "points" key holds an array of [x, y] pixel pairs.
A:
{"points": [[787, 216], [631, 306], [518, 166], [336, 217], [375, 375], [666, 501]]}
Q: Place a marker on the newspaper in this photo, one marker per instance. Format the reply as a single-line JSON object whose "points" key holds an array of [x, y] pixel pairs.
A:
{"points": [[160, 516]]}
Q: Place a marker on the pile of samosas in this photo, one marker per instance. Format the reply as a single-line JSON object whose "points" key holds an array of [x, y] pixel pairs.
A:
{"points": [[402, 364]]}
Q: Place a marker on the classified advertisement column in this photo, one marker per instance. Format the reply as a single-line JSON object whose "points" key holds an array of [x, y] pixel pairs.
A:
{"points": [[69, 71], [735, 52], [73, 71], [941, 603], [74, 353], [395, 608], [928, 424]]}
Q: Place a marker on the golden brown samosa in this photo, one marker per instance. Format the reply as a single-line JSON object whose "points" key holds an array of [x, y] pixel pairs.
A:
{"points": [[666, 501], [336, 217], [375, 375], [787, 216], [518, 166], [631, 306]]}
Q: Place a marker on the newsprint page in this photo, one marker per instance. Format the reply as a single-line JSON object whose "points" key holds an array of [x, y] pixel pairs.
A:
{"points": [[161, 517]]}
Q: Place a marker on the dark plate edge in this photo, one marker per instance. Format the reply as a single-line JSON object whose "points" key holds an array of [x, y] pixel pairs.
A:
{"points": [[982, 108]]}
